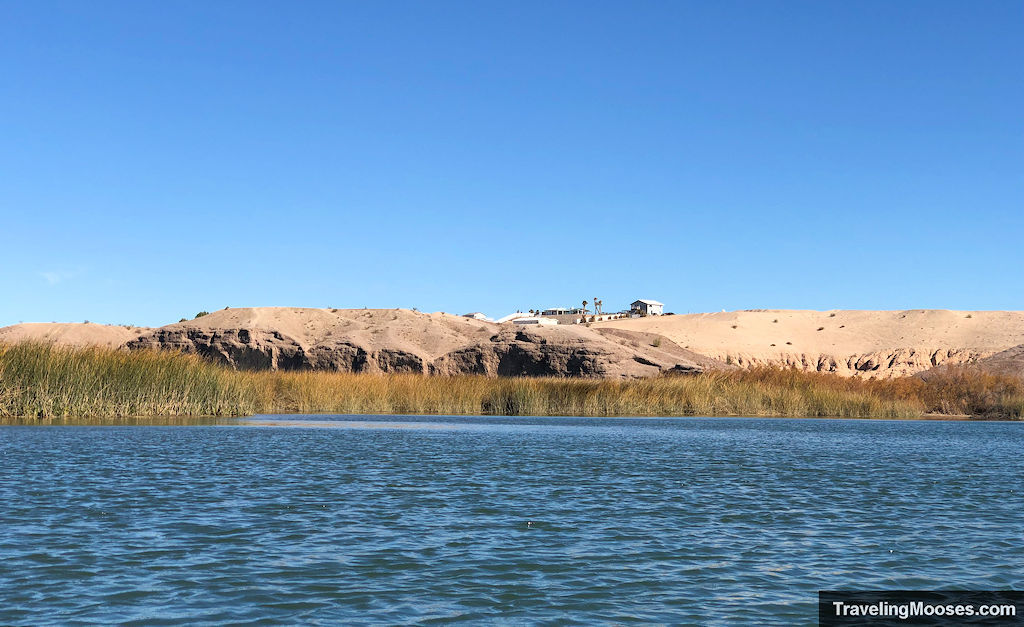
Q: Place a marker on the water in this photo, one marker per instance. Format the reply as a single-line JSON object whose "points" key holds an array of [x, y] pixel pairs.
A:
{"points": [[400, 520]]}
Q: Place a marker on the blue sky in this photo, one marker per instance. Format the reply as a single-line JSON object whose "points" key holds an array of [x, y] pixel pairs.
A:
{"points": [[157, 159]]}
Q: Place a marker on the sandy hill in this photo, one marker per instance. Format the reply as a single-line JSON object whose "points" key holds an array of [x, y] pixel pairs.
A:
{"points": [[860, 343], [397, 340], [71, 333], [865, 343]]}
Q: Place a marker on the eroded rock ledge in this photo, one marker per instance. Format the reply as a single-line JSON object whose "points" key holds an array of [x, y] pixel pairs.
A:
{"points": [[507, 352], [884, 364]]}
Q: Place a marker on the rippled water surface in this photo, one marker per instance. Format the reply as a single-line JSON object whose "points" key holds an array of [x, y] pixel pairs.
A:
{"points": [[367, 520]]}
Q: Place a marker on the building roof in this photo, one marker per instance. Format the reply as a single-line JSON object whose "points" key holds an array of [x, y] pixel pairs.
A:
{"points": [[647, 302], [535, 320], [513, 316]]}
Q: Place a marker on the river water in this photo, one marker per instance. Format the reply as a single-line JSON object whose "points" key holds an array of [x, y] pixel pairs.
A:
{"points": [[398, 519]]}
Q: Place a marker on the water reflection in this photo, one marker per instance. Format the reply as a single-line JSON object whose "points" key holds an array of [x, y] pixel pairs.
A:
{"points": [[127, 421]]}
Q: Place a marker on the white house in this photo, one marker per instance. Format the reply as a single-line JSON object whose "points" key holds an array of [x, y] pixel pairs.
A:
{"points": [[476, 315], [539, 321], [513, 316], [647, 307], [561, 311]]}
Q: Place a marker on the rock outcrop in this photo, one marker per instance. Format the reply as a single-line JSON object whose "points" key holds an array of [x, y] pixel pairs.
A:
{"points": [[377, 341], [244, 349], [554, 352], [260, 349], [889, 363], [1007, 362]]}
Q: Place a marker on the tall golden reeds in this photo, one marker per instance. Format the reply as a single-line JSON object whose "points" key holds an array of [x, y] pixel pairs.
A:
{"points": [[43, 380]]}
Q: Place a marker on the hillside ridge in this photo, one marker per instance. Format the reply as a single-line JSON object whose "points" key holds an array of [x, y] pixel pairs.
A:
{"points": [[863, 343]]}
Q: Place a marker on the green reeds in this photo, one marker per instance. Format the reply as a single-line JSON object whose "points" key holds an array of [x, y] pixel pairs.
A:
{"points": [[46, 381]]}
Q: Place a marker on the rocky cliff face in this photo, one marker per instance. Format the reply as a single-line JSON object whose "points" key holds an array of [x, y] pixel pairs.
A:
{"points": [[889, 363], [244, 349], [512, 352], [1008, 362], [422, 344], [256, 349]]}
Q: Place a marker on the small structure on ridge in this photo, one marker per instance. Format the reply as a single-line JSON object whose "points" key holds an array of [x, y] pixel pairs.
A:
{"points": [[646, 307]]}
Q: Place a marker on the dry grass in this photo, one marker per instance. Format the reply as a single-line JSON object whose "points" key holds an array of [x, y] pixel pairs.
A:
{"points": [[970, 392], [47, 381]]}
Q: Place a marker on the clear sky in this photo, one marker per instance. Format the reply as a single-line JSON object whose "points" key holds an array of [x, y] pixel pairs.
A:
{"points": [[160, 158]]}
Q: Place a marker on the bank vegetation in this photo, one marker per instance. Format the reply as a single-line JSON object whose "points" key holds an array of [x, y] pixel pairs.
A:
{"points": [[49, 381]]}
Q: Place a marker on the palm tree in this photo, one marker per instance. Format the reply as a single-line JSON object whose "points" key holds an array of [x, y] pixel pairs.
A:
{"points": [[584, 308]]}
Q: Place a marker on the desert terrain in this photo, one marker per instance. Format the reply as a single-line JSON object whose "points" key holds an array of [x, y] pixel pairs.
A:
{"points": [[386, 340], [845, 342], [874, 344], [71, 333]]}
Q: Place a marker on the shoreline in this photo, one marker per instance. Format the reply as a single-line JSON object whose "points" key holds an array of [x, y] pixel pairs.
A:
{"points": [[13, 421]]}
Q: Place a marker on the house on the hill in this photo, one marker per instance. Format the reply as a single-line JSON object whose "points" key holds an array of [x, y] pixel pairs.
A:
{"points": [[561, 311], [538, 320], [645, 307], [513, 316]]}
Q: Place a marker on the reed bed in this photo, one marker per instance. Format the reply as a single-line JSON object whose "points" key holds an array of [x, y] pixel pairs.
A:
{"points": [[47, 381]]}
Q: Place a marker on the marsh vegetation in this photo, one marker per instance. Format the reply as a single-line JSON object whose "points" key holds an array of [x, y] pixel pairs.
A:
{"points": [[44, 380]]}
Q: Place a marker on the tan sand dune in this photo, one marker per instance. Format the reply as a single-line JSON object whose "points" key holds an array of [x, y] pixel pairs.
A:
{"points": [[860, 343], [847, 342], [71, 333]]}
